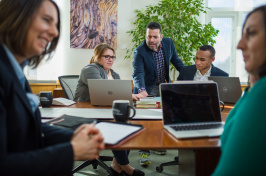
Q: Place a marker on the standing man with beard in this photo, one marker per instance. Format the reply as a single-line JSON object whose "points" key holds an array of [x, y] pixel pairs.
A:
{"points": [[151, 61], [151, 68]]}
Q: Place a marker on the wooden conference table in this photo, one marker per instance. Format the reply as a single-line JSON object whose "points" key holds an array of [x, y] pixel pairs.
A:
{"points": [[196, 156]]}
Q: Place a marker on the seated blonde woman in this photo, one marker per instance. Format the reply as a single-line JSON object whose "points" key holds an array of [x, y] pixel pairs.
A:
{"points": [[100, 68]]}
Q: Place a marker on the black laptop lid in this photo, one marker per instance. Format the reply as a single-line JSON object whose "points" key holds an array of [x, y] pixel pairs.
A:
{"points": [[229, 88], [190, 103]]}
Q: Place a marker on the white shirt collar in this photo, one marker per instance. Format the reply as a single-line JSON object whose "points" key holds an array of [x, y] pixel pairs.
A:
{"points": [[199, 77], [33, 99], [17, 68]]}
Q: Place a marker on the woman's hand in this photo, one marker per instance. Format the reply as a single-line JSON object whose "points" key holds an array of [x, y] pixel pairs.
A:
{"points": [[87, 142]]}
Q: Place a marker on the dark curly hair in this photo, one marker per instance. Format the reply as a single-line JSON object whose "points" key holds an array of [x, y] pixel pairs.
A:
{"points": [[154, 25]]}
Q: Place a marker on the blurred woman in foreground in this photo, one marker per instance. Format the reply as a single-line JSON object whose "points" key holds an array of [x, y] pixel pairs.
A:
{"points": [[29, 31], [243, 141]]}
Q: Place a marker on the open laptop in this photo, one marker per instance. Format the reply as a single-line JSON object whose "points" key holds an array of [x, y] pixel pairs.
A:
{"points": [[229, 88], [103, 91], [191, 109]]}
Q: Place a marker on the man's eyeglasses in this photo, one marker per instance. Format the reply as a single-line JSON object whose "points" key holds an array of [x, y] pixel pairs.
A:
{"points": [[107, 57]]}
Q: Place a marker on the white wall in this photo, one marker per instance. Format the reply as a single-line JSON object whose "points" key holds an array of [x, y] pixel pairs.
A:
{"points": [[69, 61]]}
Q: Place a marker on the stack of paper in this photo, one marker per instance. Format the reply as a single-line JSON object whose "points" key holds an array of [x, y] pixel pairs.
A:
{"points": [[102, 114], [62, 102], [149, 102], [151, 99]]}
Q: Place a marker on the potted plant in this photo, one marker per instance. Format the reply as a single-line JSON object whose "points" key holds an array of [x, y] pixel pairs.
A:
{"points": [[179, 22]]}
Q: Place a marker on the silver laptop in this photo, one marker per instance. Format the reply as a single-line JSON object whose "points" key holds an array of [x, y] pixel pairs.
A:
{"points": [[103, 91], [191, 110], [229, 88]]}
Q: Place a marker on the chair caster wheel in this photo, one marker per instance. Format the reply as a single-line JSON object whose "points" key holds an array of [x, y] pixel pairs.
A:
{"points": [[176, 159], [159, 169]]}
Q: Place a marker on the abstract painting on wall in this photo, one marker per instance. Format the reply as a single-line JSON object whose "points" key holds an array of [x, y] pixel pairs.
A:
{"points": [[93, 22]]}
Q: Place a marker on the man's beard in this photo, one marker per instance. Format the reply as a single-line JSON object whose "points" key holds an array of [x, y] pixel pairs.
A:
{"points": [[154, 47]]}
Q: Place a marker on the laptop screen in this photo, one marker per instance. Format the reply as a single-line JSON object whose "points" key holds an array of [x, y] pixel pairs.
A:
{"points": [[229, 88], [190, 103], [103, 91]]}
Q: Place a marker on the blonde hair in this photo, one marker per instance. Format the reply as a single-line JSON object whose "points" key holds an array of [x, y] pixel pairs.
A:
{"points": [[99, 50]]}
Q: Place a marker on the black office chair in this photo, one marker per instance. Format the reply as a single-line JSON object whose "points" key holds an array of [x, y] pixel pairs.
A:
{"points": [[95, 163], [69, 84], [171, 163]]}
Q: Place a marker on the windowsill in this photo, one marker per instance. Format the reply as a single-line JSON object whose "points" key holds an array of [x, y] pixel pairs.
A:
{"points": [[42, 81], [243, 83]]}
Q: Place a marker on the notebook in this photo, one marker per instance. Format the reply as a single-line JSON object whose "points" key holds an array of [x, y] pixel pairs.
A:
{"points": [[229, 88], [112, 135], [103, 91], [111, 131], [191, 109]]}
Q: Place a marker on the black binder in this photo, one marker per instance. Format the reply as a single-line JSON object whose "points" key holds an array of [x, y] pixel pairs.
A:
{"points": [[70, 122]]}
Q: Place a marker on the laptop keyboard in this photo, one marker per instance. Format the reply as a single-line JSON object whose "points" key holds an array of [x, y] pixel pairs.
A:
{"points": [[196, 127]]}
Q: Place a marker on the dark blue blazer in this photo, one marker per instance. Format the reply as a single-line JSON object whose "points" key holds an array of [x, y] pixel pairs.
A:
{"points": [[27, 146], [188, 72], [144, 66]]}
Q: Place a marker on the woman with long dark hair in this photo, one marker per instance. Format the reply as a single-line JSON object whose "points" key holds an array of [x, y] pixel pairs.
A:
{"points": [[29, 31]]}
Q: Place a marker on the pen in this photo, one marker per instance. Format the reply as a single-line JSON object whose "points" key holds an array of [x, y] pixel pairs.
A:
{"points": [[60, 120], [93, 123], [48, 117]]}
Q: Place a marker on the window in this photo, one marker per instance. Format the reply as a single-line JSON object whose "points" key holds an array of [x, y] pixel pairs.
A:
{"points": [[223, 42], [228, 17], [221, 3], [237, 5]]}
